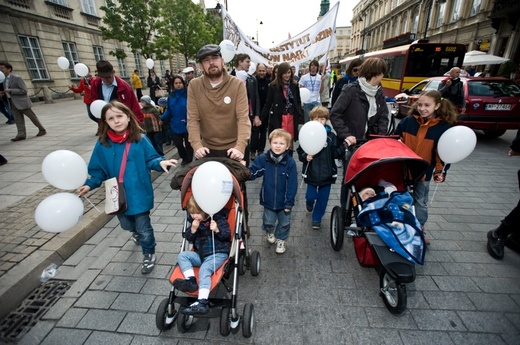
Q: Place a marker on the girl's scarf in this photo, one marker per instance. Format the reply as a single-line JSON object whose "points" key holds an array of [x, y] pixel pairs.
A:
{"points": [[118, 138], [288, 96], [370, 91]]}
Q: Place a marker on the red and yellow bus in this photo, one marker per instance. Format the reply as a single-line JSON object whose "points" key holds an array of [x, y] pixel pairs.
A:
{"points": [[409, 64]]}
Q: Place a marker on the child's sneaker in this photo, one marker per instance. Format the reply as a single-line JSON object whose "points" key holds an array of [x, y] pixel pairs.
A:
{"points": [[186, 285], [270, 237], [316, 225], [135, 238], [280, 246], [201, 306], [148, 263]]}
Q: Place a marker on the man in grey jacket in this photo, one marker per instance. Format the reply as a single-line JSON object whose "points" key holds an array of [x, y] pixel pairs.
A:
{"points": [[16, 92]]}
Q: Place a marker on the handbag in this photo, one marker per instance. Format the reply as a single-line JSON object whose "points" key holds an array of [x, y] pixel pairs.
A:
{"points": [[288, 123], [364, 252], [115, 195], [160, 92]]}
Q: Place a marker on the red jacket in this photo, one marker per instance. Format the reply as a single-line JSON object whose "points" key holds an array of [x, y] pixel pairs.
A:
{"points": [[84, 87], [125, 95]]}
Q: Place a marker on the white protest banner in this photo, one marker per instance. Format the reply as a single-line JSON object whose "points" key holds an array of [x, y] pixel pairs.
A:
{"points": [[310, 44]]}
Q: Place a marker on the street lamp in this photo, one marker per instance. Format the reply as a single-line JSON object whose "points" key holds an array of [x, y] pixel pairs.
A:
{"points": [[257, 37]]}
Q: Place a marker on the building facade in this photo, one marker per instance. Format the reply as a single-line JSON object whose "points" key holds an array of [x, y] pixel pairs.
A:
{"points": [[34, 33], [487, 25]]}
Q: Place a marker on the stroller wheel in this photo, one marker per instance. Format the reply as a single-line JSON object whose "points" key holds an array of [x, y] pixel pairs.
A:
{"points": [[336, 228], [184, 322], [241, 263], [248, 320], [393, 293], [162, 320], [225, 326], [255, 263]]}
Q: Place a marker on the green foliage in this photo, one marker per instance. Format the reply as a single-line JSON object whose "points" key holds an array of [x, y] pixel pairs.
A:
{"points": [[183, 28], [130, 21]]}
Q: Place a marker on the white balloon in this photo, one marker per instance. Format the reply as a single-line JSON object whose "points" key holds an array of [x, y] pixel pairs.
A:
{"points": [[305, 94], [252, 68], [64, 169], [212, 185], [96, 107], [456, 144], [2, 77], [59, 212], [312, 137], [242, 75], [63, 63], [81, 69], [227, 49], [149, 63]]}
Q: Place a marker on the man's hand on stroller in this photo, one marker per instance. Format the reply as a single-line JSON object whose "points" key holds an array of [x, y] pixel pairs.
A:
{"points": [[350, 140], [235, 154], [201, 153]]}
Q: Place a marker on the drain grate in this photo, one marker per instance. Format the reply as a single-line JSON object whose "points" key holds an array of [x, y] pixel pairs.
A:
{"points": [[21, 320]]}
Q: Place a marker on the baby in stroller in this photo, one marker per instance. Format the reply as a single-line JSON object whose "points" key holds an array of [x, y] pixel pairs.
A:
{"points": [[212, 241]]}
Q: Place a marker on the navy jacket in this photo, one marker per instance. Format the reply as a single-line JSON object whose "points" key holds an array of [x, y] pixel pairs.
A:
{"points": [[280, 182], [177, 111]]}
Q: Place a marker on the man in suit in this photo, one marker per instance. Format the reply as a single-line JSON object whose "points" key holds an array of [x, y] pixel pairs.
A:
{"points": [[16, 93]]}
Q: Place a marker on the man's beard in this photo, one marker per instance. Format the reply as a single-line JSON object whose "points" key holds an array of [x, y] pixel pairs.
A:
{"points": [[214, 73]]}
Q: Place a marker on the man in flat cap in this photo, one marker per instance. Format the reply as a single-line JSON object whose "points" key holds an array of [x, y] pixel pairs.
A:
{"points": [[109, 87], [189, 73], [218, 114]]}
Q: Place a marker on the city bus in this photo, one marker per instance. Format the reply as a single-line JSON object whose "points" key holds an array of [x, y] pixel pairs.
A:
{"points": [[412, 63]]}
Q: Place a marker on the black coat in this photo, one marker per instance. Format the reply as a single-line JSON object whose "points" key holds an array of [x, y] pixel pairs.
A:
{"points": [[275, 107], [322, 170], [349, 115]]}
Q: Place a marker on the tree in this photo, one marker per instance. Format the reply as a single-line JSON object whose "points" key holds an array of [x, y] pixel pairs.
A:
{"points": [[183, 28], [130, 21]]}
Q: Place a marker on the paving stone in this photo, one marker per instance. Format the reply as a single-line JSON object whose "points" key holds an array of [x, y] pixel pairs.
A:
{"points": [[66, 336], [96, 299], [488, 322], [72, 317], [59, 309], [439, 320], [133, 302], [446, 283], [103, 320], [448, 300], [493, 302], [100, 338], [363, 335], [37, 333], [426, 338], [139, 323]]}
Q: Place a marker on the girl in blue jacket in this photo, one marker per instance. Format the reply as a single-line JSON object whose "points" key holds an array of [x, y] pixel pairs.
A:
{"points": [[177, 112], [117, 127]]}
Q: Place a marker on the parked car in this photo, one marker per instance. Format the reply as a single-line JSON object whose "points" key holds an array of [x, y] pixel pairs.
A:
{"points": [[492, 104]]}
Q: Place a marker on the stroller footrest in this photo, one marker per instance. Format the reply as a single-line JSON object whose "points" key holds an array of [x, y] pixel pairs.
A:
{"points": [[403, 272]]}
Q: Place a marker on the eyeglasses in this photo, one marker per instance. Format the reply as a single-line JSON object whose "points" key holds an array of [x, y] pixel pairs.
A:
{"points": [[355, 69]]}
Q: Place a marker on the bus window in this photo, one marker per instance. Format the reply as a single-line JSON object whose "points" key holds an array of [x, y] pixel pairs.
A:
{"points": [[396, 71]]}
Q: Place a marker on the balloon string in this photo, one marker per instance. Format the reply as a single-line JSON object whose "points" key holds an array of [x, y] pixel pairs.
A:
{"points": [[304, 173], [92, 204], [437, 184], [213, 241]]}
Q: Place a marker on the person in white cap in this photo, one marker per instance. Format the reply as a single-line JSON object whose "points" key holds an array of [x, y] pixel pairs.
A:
{"points": [[189, 73]]}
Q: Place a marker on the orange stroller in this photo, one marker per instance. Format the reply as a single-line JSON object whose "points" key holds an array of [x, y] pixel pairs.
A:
{"points": [[240, 258]]}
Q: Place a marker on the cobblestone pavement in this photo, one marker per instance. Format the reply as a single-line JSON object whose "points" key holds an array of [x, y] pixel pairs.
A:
{"points": [[309, 295]]}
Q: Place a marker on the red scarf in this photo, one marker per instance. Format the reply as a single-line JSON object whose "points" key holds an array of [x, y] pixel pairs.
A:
{"points": [[118, 138]]}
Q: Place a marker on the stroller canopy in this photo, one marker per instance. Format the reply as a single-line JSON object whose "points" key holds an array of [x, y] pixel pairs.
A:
{"points": [[387, 159]]}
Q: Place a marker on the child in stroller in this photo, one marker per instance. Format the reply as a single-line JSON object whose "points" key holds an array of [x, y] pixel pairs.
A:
{"points": [[211, 240]]}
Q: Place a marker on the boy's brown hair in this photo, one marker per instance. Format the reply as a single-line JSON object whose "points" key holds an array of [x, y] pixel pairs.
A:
{"points": [[282, 133], [319, 112], [193, 207]]}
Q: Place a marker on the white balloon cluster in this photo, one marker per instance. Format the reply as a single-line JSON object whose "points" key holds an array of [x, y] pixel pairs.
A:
{"points": [[62, 211]]}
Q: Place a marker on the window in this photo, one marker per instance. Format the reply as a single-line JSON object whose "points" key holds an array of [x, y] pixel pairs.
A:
{"points": [[98, 53], [415, 24], [69, 48], [137, 60], [59, 2], [405, 25], [440, 14], [34, 58], [122, 68], [88, 6], [475, 8], [455, 15]]}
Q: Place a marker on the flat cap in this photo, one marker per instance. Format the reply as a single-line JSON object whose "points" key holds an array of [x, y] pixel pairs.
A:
{"points": [[208, 50]]}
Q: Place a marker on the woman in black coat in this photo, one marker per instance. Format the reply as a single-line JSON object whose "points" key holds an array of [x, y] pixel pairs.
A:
{"points": [[153, 83], [283, 97]]}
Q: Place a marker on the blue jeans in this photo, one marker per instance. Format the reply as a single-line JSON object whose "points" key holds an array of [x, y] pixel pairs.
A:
{"points": [[420, 199], [307, 107], [188, 259], [284, 223], [141, 224], [320, 195]]}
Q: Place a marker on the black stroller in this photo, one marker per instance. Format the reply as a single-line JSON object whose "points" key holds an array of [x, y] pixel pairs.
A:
{"points": [[393, 161], [240, 259]]}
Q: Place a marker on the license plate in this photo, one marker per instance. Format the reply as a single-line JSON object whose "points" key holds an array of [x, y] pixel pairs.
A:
{"points": [[498, 106]]}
